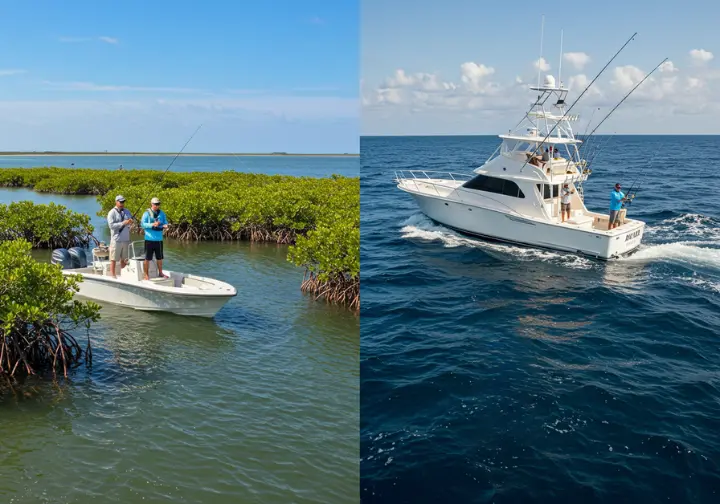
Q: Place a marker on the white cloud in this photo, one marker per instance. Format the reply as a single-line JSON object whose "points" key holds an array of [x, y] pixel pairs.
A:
{"points": [[541, 64], [473, 76], [577, 59], [423, 81], [480, 98], [90, 86], [11, 71], [252, 124], [701, 55], [693, 83], [109, 40], [668, 67], [625, 77]]}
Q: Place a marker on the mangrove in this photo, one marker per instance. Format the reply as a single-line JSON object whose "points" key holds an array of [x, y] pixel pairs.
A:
{"points": [[319, 218], [38, 313]]}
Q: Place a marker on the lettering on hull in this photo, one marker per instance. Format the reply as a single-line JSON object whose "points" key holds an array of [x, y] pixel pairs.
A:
{"points": [[632, 236]]}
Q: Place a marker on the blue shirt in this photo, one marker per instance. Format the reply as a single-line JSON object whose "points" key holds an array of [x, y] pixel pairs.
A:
{"points": [[616, 199], [151, 233]]}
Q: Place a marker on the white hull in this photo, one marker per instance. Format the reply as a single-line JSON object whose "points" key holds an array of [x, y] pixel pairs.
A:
{"points": [[180, 293], [146, 298], [514, 228]]}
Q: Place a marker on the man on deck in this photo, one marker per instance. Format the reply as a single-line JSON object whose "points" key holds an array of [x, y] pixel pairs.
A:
{"points": [[154, 222], [617, 198], [119, 220]]}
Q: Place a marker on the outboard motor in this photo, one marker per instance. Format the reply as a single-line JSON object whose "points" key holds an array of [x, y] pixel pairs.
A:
{"points": [[62, 256], [78, 257]]}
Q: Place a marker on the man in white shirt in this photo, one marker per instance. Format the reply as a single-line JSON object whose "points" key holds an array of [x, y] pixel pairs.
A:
{"points": [[119, 221], [565, 201]]}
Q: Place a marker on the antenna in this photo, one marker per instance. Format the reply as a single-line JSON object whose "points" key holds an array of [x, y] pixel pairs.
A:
{"points": [[578, 99], [542, 34], [560, 64]]}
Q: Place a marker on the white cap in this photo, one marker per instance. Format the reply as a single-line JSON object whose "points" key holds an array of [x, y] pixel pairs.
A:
{"points": [[155, 201], [119, 198]]}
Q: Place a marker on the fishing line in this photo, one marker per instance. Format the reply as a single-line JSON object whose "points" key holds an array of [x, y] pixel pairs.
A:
{"points": [[170, 165], [133, 215], [576, 100]]}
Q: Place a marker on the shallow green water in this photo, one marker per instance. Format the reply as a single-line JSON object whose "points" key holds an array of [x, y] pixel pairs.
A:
{"points": [[259, 404]]}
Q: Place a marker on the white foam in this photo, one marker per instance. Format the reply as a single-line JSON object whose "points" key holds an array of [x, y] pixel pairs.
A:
{"points": [[418, 226], [682, 252], [686, 226], [700, 283]]}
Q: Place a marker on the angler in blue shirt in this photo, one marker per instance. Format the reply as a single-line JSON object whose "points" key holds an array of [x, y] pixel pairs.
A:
{"points": [[617, 198], [154, 222]]}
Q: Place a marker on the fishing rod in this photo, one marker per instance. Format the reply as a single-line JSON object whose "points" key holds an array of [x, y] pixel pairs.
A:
{"points": [[626, 96], [165, 172], [575, 102], [601, 144], [596, 152], [637, 179], [97, 242], [584, 135]]}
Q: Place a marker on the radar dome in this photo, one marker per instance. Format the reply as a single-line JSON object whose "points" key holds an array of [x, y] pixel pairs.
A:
{"points": [[549, 81]]}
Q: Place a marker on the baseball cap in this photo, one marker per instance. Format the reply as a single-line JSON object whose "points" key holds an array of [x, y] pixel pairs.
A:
{"points": [[119, 198], [155, 201]]}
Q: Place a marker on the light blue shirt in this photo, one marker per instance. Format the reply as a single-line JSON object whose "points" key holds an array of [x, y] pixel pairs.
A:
{"points": [[151, 233], [616, 200]]}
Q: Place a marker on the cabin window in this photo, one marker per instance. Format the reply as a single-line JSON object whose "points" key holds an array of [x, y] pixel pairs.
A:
{"points": [[555, 190], [494, 185]]}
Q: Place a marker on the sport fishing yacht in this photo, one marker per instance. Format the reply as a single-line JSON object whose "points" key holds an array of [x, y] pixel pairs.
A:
{"points": [[515, 196], [179, 293]]}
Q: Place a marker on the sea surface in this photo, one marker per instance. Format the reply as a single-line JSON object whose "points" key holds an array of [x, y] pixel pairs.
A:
{"points": [[498, 374], [306, 166], [258, 405]]}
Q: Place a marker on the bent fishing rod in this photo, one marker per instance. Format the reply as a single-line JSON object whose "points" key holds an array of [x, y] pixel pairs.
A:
{"points": [[557, 123]]}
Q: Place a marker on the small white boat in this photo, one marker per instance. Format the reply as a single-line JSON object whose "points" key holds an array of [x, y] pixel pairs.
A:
{"points": [[180, 293], [511, 199]]}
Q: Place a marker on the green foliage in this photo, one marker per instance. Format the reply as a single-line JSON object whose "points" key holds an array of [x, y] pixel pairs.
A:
{"points": [[319, 217], [44, 226], [36, 309]]}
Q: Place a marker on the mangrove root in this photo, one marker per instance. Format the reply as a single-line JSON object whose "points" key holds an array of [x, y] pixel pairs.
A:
{"points": [[341, 289]]}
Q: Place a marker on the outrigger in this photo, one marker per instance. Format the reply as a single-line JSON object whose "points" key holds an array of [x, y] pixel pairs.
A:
{"points": [[515, 196]]}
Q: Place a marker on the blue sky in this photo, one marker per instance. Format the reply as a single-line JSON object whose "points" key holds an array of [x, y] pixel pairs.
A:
{"points": [[278, 75], [466, 64]]}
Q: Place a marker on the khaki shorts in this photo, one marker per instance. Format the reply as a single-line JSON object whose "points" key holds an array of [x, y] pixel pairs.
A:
{"points": [[119, 250]]}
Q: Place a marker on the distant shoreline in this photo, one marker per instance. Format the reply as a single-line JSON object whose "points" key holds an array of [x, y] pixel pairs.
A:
{"points": [[188, 154]]}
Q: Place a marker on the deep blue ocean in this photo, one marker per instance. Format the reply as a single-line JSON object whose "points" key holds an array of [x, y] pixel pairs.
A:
{"points": [[495, 373]]}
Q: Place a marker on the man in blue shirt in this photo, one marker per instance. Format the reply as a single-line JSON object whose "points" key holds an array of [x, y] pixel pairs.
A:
{"points": [[617, 198], [154, 222]]}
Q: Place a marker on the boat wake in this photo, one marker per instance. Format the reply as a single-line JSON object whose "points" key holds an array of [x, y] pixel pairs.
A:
{"points": [[700, 247], [685, 227], [688, 239], [691, 253], [420, 227]]}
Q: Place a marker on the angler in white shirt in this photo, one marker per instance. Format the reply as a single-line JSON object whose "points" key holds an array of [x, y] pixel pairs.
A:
{"points": [[565, 201]]}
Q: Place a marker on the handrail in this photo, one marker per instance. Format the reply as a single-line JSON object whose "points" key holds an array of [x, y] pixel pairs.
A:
{"points": [[432, 182]]}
